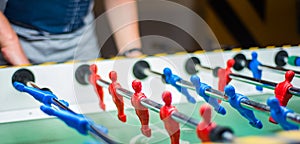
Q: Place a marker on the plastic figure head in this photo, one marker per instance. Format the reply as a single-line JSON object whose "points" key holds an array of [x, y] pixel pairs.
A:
{"points": [[254, 55], [93, 68], [167, 72], [273, 103], [137, 86], [229, 91], [195, 80], [113, 76], [205, 112], [230, 63], [167, 98], [289, 75]]}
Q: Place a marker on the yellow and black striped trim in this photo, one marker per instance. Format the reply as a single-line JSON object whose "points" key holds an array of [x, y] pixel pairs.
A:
{"points": [[237, 49]]}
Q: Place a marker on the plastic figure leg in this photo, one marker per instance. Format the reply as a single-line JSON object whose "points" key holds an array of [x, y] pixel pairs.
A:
{"points": [[101, 102], [214, 102], [252, 120], [144, 118], [188, 96], [120, 106], [272, 120], [259, 88], [257, 124], [102, 105], [175, 138]]}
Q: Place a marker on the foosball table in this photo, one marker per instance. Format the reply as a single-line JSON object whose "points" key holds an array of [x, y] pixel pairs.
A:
{"points": [[236, 96]]}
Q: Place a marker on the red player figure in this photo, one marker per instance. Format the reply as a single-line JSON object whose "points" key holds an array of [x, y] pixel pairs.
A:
{"points": [[282, 90], [141, 111], [118, 100], [206, 125], [165, 114], [223, 75], [93, 80]]}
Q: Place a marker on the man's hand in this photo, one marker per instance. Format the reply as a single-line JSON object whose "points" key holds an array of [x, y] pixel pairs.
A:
{"points": [[9, 44]]}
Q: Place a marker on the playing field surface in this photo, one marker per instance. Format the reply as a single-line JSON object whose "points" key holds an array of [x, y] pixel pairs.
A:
{"points": [[55, 131]]}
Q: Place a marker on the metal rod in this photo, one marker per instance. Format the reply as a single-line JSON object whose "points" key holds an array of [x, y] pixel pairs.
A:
{"points": [[216, 94], [150, 72], [252, 81], [103, 137], [246, 103], [198, 66], [257, 82], [294, 117], [62, 106], [280, 69], [95, 132], [152, 105], [262, 83], [294, 91], [228, 136], [54, 100]]}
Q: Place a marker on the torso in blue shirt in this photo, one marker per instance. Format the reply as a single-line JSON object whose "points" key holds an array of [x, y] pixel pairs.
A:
{"points": [[53, 16]]}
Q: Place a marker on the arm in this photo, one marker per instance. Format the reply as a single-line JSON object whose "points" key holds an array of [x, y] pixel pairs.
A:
{"points": [[9, 44], [123, 18]]}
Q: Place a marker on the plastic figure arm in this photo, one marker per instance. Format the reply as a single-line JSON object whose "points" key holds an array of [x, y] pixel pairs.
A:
{"points": [[126, 29], [9, 44]]}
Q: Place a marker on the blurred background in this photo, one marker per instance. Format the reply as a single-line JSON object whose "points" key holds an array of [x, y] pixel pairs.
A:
{"points": [[235, 23]]}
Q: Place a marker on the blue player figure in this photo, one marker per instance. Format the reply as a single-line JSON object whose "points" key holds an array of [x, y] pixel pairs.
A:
{"points": [[172, 79], [235, 100], [278, 113], [200, 89], [256, 72]]}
